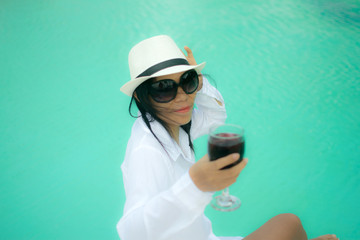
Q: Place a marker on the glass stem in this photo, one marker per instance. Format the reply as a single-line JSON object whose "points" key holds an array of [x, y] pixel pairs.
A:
{"points": [[225, 192]]}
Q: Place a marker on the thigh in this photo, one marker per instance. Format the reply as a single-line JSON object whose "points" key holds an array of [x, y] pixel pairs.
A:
{"points": [[230, 238]]}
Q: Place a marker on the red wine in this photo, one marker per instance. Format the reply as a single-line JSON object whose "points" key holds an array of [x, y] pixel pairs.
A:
{"points": [[223, 144]]}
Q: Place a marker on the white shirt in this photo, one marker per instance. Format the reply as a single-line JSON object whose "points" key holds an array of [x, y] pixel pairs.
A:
{"points": [[162, 202]]}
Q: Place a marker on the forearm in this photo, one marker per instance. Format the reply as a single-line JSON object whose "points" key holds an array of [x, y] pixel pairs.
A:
{"points": [[210, 109]]}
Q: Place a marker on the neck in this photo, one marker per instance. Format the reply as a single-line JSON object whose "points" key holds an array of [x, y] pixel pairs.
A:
{"points": [[174, 133]]}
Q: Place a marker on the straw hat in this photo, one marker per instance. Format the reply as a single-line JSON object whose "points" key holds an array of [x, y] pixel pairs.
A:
{"points": [[154, 57]]}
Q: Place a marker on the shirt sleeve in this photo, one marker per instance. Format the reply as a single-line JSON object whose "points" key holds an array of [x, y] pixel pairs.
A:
{"points": [[210, 110], [155, 209]]}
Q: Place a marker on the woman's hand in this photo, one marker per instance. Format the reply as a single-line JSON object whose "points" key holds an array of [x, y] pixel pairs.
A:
{"points": [[190, 58], [208, 176]]}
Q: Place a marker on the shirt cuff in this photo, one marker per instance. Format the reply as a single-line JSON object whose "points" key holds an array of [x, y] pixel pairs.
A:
{"points": [[189, 194], [208, 92], [209, 89]]}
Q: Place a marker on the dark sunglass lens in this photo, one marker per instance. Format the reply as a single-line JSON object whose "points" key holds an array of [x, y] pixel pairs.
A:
{"points": [[190, 81], [163, 91]]}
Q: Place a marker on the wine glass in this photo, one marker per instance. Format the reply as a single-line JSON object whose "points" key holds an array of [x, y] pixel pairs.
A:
{"points": [[224, 140]]}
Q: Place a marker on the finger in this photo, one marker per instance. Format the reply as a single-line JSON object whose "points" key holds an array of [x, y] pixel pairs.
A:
{"points": [[243, 163], [184, 53], [188, 51], [225, 161], [239, 167], [235, 171]]}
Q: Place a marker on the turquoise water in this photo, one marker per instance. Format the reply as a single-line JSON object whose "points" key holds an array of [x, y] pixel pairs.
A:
{"points": [[289, 72]]}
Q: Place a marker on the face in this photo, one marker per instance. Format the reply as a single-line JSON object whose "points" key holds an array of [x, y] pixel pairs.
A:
{"points": [[178, 111]]}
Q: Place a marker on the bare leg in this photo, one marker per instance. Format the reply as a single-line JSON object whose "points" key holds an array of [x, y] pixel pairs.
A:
{"points": [[284, 227], [326, 237]]}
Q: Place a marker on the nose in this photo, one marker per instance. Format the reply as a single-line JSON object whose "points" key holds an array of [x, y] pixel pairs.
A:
{"points": [[181, 95]]}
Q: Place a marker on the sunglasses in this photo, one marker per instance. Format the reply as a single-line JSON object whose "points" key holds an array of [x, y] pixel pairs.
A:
{"points": [[164, 91]]}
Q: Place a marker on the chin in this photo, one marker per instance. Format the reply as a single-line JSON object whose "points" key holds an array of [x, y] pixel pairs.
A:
{"points": [[185, 121], [181, 121]]}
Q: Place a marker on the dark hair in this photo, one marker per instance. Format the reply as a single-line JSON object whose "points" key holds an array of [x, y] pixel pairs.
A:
{"points": [[150, 114]]}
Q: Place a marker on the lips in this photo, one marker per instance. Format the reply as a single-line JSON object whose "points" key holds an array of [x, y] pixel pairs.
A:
{"points": [[183, 110]]}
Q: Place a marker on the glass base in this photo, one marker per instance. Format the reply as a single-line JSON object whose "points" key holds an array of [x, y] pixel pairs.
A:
{"points": [[225, 203]]}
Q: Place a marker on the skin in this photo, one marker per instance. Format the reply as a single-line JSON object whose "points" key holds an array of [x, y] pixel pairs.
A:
{"points": [[169, 112], [208, 176]]}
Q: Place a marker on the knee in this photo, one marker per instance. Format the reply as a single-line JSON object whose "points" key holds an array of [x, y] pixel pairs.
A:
{"points": [[290, 219], [290, 226]]}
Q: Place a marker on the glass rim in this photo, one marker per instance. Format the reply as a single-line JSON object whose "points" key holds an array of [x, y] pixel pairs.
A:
{"points": [[213, 130]]}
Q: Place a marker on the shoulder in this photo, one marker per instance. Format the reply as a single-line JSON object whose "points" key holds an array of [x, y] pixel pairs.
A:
{"points": [[141, 139], [144, 150]]}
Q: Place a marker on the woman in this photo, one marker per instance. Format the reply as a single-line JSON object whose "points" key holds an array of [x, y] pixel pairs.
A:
{"points": [[166, 190]]}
